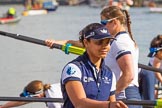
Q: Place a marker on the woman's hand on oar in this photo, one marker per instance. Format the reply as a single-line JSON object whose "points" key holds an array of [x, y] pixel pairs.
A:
{"points": [[49, 42], [117, 104]]}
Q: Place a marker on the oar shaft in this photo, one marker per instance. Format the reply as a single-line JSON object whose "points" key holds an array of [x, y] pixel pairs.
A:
{"points": [[28, 39], [32, 99], [142, 102], [149, 68], [60, 100]]}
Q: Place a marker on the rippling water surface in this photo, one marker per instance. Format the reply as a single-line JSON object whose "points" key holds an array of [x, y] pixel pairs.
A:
{"points": [[21, 62]]}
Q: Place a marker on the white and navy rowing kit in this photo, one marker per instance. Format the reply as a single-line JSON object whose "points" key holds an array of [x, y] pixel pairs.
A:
{"points": [[97, 85]]}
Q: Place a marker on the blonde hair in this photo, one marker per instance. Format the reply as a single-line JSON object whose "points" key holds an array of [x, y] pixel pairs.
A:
{"points": [[122, 15], [36, 85]]}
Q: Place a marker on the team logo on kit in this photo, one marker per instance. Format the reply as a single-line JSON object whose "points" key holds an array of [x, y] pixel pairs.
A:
{"points": [[104, 31], [106, 80], [70, 71]]}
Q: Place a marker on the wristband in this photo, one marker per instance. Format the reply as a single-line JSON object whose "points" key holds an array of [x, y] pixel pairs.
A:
{"points": [[67, 48]]}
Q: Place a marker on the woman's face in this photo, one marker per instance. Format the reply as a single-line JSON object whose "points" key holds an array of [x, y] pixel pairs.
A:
{"points": [[97, 48], [159, 54], [110, 26]]}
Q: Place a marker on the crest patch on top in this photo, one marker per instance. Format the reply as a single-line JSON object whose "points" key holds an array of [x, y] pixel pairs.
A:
{"points": [[70, 71]]}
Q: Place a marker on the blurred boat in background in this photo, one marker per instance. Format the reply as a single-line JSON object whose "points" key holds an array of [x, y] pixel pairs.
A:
{"points": [[156, 9], [4, 20], [72, 2], [10, 16], [11, 1], [39, 7], [124, 4], [50, 5], [34, 12]]}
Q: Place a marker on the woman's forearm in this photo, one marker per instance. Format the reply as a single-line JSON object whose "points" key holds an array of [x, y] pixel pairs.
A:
{"points": [[12, 104]]}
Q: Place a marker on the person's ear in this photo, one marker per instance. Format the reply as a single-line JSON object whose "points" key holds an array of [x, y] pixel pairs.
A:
{"points": [[115, 21], [85, 42]]}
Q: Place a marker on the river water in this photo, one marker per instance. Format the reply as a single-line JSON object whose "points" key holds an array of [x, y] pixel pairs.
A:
{"points": [[21, 62]]}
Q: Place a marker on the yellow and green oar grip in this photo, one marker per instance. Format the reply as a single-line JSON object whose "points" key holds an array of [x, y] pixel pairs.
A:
{"points": [[158, 103], [68, 48]]}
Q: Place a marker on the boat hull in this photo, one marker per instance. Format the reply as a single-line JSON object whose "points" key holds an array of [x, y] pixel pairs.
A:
{"points": [[34, 12], [50, 6], [9, 20], [156, 9]]}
